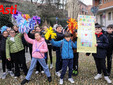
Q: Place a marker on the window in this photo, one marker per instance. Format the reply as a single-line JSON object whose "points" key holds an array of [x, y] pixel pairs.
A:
{"points": [[109, 16], [104, 1], [82, 12], [100, 1]]}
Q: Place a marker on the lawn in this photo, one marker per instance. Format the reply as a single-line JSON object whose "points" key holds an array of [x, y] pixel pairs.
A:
{"points": [[87, 71]]}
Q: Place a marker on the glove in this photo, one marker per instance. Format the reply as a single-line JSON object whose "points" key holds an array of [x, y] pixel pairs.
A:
{"points": [[37, 50]]}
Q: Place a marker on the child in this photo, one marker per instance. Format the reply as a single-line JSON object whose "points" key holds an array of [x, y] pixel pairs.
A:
{"points": [[109, 35], [15, 28], [99, 57], [14, 52], [60, 36], [39, 48], [38, 66], [31, 35], [5, 62], [67, 46]]}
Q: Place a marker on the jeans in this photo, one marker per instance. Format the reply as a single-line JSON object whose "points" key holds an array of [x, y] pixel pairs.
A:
{"points": [[33, 64]]}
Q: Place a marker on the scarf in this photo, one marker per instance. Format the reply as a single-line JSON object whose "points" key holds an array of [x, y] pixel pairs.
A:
{"points": [[98, 35]]}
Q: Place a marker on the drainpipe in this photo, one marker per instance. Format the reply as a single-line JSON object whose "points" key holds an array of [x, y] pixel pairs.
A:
{"points": [[104, 16]]}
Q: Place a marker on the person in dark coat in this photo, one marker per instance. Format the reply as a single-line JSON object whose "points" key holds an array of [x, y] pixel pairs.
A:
{"points": [[5, 62], [60, 36], [109, 35], [99, 57], [49, 48]]}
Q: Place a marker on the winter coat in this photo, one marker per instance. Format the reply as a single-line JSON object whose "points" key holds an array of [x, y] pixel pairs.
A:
{"points": [[41, 45], [14, 46], [66, 48], [103, 43]]}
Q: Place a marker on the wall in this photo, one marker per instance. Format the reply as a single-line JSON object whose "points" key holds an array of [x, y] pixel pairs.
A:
{"points": [[105, 21]]}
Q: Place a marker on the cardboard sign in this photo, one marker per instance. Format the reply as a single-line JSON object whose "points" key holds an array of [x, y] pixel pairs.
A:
{"points": [[86, 34]]}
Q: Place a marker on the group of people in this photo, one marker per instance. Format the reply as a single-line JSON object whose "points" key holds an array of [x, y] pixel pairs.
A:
{"points": [[12, 51]]}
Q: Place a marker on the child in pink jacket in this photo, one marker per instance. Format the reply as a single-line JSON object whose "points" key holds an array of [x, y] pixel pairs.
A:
{"points": [[39, 47]]}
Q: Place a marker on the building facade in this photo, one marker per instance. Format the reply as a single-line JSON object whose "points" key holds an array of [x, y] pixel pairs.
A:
{"points": [[105, 12], [83, 8], [77, 7]]}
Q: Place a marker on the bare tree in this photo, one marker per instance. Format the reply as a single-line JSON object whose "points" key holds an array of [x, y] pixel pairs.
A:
{"points": [[73, 8]]}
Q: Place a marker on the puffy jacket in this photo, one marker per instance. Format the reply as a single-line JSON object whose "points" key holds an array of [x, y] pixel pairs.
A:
{"points": [[66, 48], [14, 47], [103, 43], [41, 45]]}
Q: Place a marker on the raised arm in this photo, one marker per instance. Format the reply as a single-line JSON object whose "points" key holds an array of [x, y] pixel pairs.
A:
{"points": [[56, 43], [29, 40]]}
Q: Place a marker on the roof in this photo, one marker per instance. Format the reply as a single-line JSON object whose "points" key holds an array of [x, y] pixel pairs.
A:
{"points": [[82, 3], [103, 9]]}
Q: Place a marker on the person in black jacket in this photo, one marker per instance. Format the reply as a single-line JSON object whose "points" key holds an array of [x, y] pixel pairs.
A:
{"points": [[60, 36], [5, 62], [99, 57], [109, 34]]}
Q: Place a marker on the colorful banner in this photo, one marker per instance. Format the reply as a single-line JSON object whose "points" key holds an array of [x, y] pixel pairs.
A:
{"points": [[86, 34]]}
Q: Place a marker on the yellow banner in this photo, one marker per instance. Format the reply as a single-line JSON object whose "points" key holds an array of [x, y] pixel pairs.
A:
{"points": [[86, 34]]}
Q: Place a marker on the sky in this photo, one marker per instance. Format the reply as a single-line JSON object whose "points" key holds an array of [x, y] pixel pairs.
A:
{"points": [[87, 2]]}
